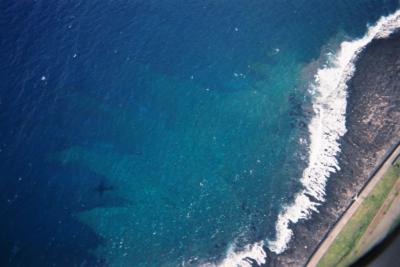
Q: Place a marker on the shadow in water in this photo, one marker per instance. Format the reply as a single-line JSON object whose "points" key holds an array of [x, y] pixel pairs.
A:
{"points": [[40, 226]]}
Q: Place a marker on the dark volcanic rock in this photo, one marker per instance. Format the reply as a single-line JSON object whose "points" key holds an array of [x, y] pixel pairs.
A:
{"points": [[373, 123]]}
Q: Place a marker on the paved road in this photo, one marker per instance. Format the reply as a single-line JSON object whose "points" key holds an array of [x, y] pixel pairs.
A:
{"points": [[352, 209], [383, 220]]}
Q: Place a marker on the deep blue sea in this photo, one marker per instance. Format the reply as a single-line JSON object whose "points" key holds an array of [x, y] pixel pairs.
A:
{"points": [[155, 133]]}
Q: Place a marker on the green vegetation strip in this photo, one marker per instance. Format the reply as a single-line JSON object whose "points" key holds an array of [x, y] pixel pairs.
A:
{"points": [[343, 250]]}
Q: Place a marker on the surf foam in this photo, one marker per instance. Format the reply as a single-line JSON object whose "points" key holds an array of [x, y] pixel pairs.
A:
{"points": [[325, 129], [243, 257], [329, 91]]}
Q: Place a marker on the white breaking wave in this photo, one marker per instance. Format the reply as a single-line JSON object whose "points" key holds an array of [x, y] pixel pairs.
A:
{"points": [[329, 91], [240, 258], [254, 252], [328, 124]]}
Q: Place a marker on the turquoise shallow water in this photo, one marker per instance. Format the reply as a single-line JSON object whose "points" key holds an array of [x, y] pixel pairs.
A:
{"points": [[155, 134]]}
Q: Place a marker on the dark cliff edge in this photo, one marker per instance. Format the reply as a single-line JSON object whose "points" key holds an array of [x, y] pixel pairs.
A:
{"points": [[373, 129]]}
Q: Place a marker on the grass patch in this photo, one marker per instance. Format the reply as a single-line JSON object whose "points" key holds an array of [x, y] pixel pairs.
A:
{"points": [[343, 250]]}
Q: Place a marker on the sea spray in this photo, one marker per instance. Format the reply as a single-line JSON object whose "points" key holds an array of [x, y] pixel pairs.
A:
{"points": [[326, 127], [328, 124]]}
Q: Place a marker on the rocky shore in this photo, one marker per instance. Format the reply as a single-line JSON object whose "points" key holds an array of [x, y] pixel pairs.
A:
{"points": [[373, 124]]}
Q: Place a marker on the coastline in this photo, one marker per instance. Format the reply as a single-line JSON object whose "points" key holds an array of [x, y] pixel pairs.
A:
{"points": [[373, 106], [348, 220]]}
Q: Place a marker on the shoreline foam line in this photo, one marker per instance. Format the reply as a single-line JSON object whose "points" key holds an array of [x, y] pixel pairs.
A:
{"points": [[255, 252], [242, 257], [329, 91]]}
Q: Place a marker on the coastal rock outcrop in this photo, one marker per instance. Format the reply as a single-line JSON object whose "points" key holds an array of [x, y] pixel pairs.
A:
{"points": [[373, 124]]}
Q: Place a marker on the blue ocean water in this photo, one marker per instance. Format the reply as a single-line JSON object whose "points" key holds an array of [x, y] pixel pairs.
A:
{"points": [[149, 133]]}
